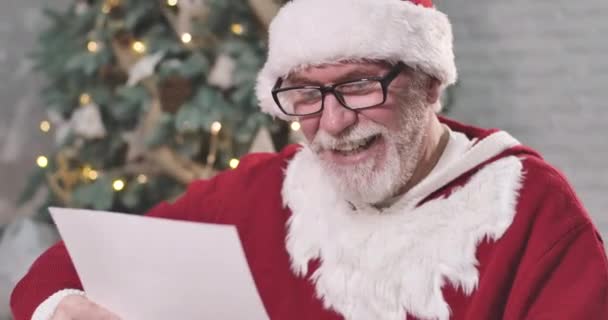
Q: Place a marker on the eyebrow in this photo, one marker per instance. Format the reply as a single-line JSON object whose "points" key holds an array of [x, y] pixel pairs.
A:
{"points": [[351, 75]]}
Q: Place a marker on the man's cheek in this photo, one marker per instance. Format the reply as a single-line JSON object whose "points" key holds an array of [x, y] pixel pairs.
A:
{"points": [[309, 128]]}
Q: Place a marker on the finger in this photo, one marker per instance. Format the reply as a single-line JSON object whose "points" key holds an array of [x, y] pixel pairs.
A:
{"points": [[65, 310], [93, 311], [61, 314], [102, 313], [79, 307]]}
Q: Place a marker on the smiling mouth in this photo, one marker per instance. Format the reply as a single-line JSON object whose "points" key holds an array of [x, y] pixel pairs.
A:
{"points": [[354, 147]]}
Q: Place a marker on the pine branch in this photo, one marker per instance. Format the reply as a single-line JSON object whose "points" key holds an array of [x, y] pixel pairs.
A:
{"points": [[265, 10], [183, 170]]}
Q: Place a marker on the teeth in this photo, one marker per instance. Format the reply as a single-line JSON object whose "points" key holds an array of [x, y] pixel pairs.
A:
{"points": [[353, 145]]}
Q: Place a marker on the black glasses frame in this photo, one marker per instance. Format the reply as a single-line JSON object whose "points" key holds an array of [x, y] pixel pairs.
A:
{"points": [[385, 81]]}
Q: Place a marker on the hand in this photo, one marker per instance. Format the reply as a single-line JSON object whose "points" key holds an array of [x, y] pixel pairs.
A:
{"points": [[78, 307]]}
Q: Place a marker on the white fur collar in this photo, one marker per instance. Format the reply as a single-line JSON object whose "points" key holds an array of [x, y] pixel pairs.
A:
{"points": [[380, 266]]}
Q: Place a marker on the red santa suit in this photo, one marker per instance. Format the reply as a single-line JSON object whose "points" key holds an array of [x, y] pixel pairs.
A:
{"points": [[497, 234]]}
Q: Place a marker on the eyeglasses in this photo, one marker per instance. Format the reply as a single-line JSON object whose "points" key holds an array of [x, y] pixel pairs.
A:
{"points": [[353, 95]]}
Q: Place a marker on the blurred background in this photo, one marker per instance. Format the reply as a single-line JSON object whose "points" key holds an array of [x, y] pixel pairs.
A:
{"points": [[117, 104]]}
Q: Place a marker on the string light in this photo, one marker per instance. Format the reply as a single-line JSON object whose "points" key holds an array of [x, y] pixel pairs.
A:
{"points": [[85, 99], [216, 127], [93, 175], [139, 47], [237, 28], [118, 185], [172, 3], [234, 163], [295, 126], [89, 173], [142, 179], [45, 126], [42, 161], [92, 46], [186, 38]]}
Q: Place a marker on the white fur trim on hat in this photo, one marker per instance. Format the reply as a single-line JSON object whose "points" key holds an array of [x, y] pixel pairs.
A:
{"points": [[313, 32]]}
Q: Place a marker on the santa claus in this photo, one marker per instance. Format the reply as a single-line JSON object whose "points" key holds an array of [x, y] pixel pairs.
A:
{"points": [[388, 211]]}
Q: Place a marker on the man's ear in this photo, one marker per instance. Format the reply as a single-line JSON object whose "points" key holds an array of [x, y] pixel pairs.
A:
{"points": [[432, 90]]}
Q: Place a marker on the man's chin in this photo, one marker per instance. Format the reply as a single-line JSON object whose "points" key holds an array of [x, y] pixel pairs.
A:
{"points": [[361, 194], [344, 171], [369, 181], [361, 183]]}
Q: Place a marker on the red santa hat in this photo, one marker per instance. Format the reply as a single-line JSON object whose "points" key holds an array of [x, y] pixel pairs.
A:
{"points": [[314, 32]]}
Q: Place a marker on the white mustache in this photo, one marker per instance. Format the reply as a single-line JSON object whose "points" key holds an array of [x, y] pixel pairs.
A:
{"points": [[325, 141]]}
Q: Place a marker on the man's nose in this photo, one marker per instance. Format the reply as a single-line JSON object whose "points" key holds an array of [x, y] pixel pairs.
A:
{"points": [[335, 117]]}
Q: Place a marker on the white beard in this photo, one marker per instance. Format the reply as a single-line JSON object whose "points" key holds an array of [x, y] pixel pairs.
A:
{"points": [[382, 266], [371, 181]]}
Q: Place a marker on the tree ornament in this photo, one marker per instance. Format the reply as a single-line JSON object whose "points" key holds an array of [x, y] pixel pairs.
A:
{"points": [[144, 68], [262, 142], [67, 176], [222, 72], [113, 75], [124, 38], [86, 122], [174, 91], [61, 125]]}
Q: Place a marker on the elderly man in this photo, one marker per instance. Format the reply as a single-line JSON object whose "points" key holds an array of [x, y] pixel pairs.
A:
{"points": [[389, 211]]}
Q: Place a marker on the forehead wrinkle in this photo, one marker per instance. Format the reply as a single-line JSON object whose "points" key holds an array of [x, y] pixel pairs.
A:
{"points": [[362, 71]]}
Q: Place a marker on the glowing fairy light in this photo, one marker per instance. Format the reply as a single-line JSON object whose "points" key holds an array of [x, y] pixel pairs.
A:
{"points": [[42, 161], [234, 163], [118, 185]]}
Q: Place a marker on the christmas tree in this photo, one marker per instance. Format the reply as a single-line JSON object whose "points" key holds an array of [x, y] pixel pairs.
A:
{"points": [[145, 96]]}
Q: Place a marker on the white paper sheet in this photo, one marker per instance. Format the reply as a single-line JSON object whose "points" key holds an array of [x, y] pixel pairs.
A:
{"points": [[145, 268]]}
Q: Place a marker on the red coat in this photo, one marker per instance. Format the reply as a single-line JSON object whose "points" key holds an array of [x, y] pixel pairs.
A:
{"points": [[547, 263]]}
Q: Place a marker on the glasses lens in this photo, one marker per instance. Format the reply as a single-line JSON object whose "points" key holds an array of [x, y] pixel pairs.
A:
{"points": [[361, 94], [300, 101]]}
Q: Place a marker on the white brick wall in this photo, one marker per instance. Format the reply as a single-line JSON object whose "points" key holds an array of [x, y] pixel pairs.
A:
{"points": [[20, 108], [20, 139], [539, 69]]}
